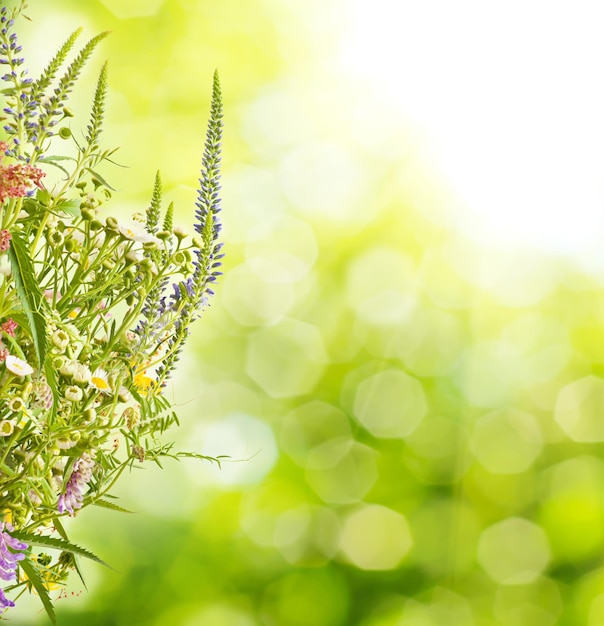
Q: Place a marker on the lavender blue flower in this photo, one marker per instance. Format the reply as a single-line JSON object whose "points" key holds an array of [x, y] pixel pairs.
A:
{"points": [[73, 496], [182, 290]]}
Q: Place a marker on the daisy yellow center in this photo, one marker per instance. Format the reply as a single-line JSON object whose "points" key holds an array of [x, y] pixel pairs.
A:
{"points": [[100, 383]]}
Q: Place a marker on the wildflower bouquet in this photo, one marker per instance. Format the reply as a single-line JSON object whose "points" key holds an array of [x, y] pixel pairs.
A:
{"points": [[94, 312]]}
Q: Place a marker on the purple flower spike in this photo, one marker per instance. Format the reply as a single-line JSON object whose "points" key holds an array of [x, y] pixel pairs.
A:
{"points": [[9, 558], [8, 561], [73, 497], [5, 603]]}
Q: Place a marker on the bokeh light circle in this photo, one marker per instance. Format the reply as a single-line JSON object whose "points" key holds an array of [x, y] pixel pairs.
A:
{"points": [[375, 537], [579, 409], [390, 404], [514, 551], [507, 441]]}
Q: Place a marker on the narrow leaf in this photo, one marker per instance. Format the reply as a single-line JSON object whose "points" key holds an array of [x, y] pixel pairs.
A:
{"points": [[61, 530], [101, 179], [56, 157], [29, 293], [58, 544], [36, 580], [110, 505], [59, 167]]}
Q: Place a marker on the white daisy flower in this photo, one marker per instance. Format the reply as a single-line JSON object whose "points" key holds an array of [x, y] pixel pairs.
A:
{"points": [[100, 381], [17, 366], [137, 232], [81, 373]]}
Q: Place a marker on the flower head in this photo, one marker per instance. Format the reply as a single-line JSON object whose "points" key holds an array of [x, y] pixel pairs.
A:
{"points": [[10, 326], [81, 374], [5, 238], [18, 178], [136, 232], [73, 496], [100, 381], [60, 339], [11, 552], [17, 366], [16, 404], [73, 393], [42, 394]]}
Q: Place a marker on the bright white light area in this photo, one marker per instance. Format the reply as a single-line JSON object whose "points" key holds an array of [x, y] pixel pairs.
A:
{"points": [[510, 99], [247, 441]]}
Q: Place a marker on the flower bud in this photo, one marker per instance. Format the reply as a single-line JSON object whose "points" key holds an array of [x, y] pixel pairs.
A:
{"points": [[71, 245], [60, 339], [55, 238], [16, 404], [112, 223], [179, 233], [67, 369], [6, 428], [180, 258], [64, 132], [123, 394]]}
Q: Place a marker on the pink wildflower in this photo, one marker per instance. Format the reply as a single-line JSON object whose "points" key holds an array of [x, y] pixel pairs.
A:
{"points": [[17, 179], [9, 327], [5, 238]]}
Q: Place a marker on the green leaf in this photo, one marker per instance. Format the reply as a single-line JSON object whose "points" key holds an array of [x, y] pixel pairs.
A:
{"points": [[29, 293], [36, 580], [100, 179], [72, 207], [56, 157], [59, 167], [54, 542], [61, 530], [110, 505], [43, 196], [5, 469], [202, 457]]}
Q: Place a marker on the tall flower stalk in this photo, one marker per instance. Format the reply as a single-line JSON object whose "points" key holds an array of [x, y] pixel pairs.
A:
{"points": [[94, 312]]}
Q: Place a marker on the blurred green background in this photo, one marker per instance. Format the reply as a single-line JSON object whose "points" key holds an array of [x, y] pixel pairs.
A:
{"points": [[412, 402]]}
